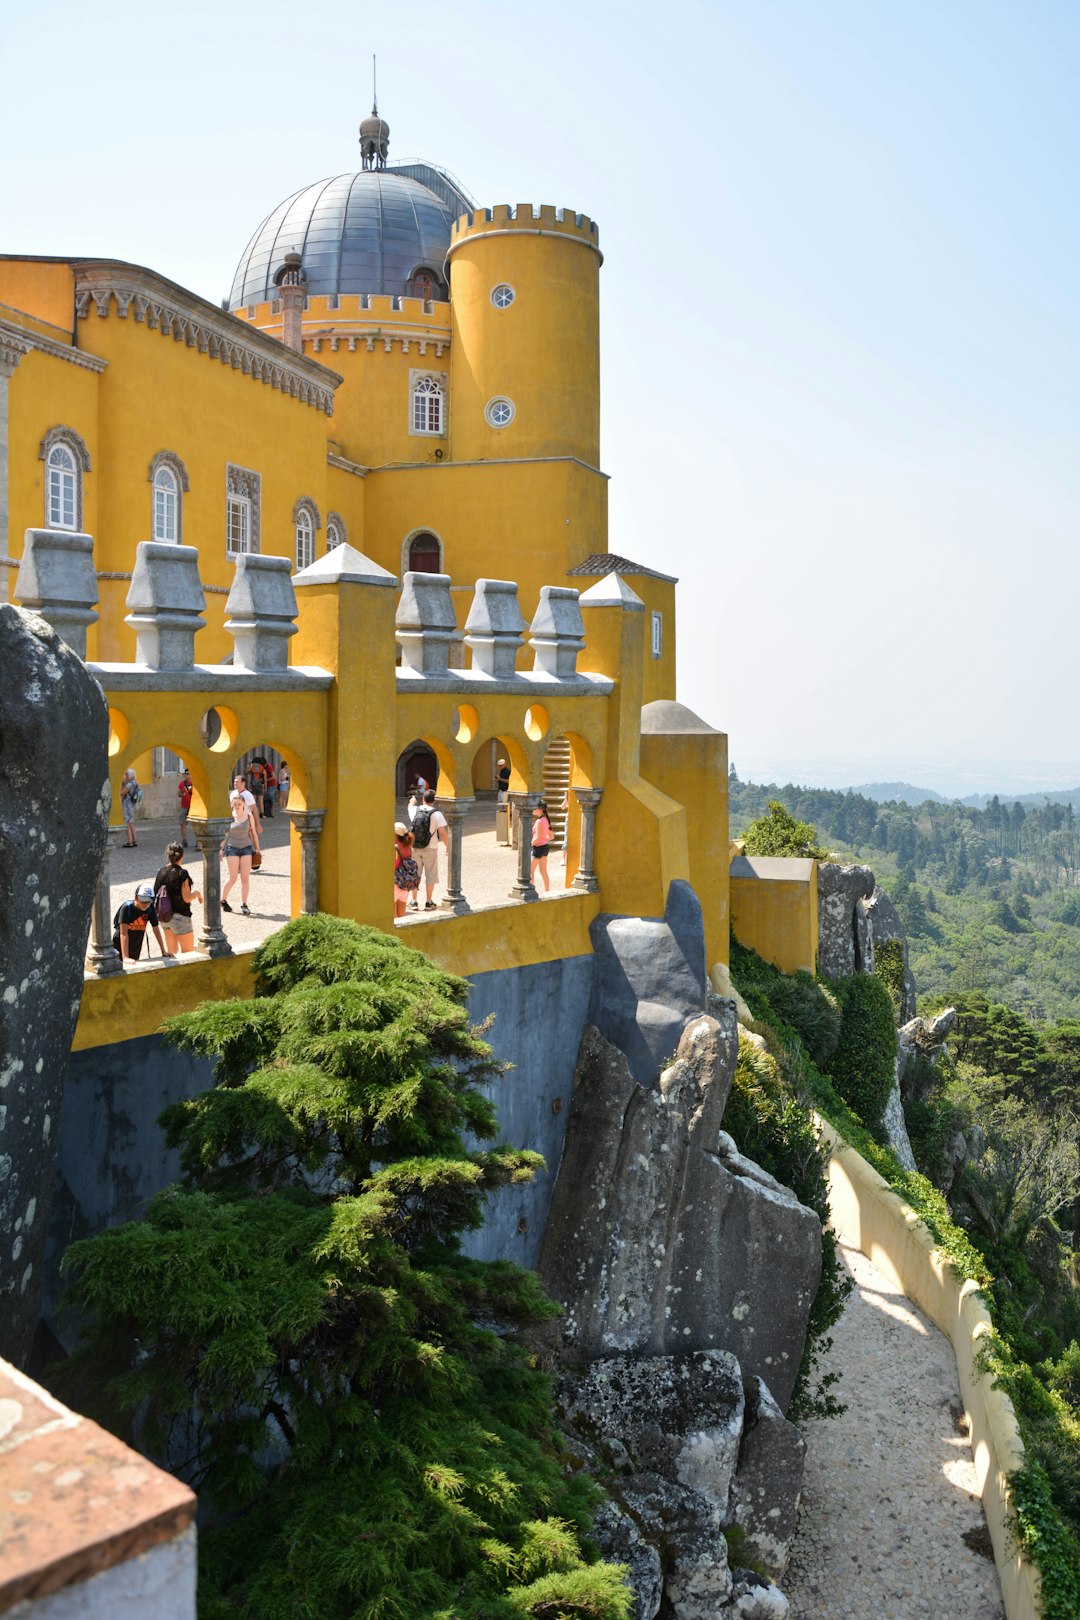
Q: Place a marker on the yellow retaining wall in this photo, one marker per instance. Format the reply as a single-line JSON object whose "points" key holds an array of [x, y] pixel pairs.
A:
{"points": [[137, 1001], [774, 909], [867, 1215]]}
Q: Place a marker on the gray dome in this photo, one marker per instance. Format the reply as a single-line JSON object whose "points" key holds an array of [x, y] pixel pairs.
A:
{"points": [[357, 233]]}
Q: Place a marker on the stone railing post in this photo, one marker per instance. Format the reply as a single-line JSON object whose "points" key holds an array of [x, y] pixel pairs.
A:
{"points": [[166, 600], [102, 958], [494, 627], [557, 633], [455, 811], [525, 804], [261, 609], [209, 834], [309, 825], [425, 624], [585, 877], [56, 580]]}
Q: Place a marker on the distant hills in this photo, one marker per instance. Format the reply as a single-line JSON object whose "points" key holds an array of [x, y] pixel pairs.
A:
{"points": [[906, 793]]}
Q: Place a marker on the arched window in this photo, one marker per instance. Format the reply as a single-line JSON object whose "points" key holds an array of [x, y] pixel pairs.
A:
{"points": [[335, 531], [66, 458], [166, 506], [424, 554], [169, 482], [305, 524], [424, 283], [427, 405]]}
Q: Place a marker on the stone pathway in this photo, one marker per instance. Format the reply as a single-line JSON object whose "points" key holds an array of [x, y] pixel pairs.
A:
{"points": [[890, 1527]]}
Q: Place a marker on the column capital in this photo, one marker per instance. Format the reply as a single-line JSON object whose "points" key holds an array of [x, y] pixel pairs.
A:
{"points": [[12, 349], [588, 796], [307, 821], [526, 801], [454, 809], [209, 827]]}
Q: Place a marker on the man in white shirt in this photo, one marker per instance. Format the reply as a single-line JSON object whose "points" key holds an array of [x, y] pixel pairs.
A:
{"points": [[429, 827]]}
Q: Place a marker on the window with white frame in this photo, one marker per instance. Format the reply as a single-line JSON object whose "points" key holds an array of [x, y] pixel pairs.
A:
{"points": [[335, 531], [243, 490], [658, 635], [305, 540], [66, 459], [428, 413], [63, 498], [166, 506]]}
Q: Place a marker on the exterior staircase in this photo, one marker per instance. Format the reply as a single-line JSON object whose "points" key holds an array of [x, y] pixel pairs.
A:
{"points": [[558, 766]]}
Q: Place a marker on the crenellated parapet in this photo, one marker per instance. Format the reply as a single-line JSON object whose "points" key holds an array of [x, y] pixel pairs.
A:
{"points": [[349, 322], [525, 219]]}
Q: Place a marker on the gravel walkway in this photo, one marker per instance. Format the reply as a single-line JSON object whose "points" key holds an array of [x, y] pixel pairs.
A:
{"points": [[890, 1527]]}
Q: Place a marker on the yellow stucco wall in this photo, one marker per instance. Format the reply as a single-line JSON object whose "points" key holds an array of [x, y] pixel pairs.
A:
{"points": [[40, 287], [693, 768], [44, 392], [777, 915]]}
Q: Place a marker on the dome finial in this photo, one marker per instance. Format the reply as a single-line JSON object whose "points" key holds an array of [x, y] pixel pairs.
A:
{"points": [[374, 131]]}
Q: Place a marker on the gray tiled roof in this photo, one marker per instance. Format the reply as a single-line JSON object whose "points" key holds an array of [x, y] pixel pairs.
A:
{"points": [[607, 562]]}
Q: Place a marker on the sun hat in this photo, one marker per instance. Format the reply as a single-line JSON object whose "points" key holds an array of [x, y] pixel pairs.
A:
{"points": [[145, 891], [401, 829]]}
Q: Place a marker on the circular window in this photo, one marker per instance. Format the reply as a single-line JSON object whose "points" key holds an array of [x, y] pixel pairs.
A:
{"points": [[499, 412], [502, 296]]}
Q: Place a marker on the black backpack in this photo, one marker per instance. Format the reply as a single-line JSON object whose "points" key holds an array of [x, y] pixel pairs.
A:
{"points": [[421, 829]]}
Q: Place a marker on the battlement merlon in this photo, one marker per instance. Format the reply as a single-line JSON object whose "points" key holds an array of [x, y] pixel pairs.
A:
{"points": [[350, 309], [506, 219]]}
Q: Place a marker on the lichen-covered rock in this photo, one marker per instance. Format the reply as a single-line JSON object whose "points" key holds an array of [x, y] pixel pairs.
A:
{"points": [[54, 807], [896, 1132], [768, 1483], [754, 1598], [649, 978], [661, 1237], [845, 942], [621, 1542], [679, 1416], [687, 1530]]}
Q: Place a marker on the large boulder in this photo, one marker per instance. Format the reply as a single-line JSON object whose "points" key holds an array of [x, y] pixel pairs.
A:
{"points": [[649, 978], [769, 1479], [845, 943], [54, 809], [661, 1236], [687, 1530], [885, 926]]}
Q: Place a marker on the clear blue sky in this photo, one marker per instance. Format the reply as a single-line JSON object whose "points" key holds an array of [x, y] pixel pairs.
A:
{"points": [[840, 311]]}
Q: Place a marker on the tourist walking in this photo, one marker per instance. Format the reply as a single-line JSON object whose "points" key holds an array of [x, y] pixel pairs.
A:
{"points": [[132, 920], [173, 894], [541, 843], [129, 798], [284, 782], [268, 792], [183, 793], [406, 871], [241, 843], [429, 830]]}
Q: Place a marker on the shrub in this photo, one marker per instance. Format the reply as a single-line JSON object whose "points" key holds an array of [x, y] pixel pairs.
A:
{"points": [[778, 833], [889, 968], [864, 1063], [811, 1009]]}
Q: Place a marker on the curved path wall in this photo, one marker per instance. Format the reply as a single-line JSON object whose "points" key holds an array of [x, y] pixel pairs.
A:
{"points": [[867, 1215]]}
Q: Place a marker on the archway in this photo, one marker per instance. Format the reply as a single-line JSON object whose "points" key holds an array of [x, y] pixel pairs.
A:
{"points": [[417, 762]]}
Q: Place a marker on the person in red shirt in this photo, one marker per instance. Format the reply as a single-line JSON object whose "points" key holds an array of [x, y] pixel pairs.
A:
{"points": [[183, 793]]}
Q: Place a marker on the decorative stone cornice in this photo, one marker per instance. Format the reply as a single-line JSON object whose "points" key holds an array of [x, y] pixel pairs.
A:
{"points": [[371, 337], [174, 312], [343, 464], [15, 341]]}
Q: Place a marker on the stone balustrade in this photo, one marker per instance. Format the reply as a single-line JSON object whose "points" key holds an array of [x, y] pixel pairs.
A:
{"points": [[261, 610], [56, 580], [426, 624], [166, 602]]}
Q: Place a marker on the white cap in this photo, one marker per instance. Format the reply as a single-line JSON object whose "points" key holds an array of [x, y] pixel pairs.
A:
{"points": [[145, 891]]}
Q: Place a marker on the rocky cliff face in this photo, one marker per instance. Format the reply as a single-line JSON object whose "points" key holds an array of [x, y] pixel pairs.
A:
{"points": [[54, 807], [686, 1274]]}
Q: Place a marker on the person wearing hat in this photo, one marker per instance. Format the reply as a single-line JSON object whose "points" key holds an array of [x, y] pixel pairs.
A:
{"points": [[502, 781], [406, 871], [132, 920]]}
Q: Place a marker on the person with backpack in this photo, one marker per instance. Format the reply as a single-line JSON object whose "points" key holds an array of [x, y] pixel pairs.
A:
{"points": [[184, 789], [406, 871], [132, 920], [130, 794], [173, 894], [429, 830]]}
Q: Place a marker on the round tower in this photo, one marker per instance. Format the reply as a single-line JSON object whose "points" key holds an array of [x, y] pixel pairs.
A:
{"points": [[525, 354]]}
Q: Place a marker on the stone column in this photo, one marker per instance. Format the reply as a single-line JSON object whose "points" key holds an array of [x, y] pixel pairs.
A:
{"points": [[309, 824], [101, 957], [585, 877], [455, 811], [525, 804], [209, 833]]}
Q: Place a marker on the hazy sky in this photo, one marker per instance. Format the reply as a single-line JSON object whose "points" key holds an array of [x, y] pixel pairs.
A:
{"points": [[841, 365]]}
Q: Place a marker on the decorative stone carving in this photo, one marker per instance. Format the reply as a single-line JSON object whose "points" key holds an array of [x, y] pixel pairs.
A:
{"points": [[426, 624], [56, 579], [166, 600], [262, 609], [494, 627], [557, 633]]}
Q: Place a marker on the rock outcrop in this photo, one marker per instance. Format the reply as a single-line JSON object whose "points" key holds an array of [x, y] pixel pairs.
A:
{"points": [[649, 978], [661, 1237], [885, 926], [845, 943], [54, 808]]}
